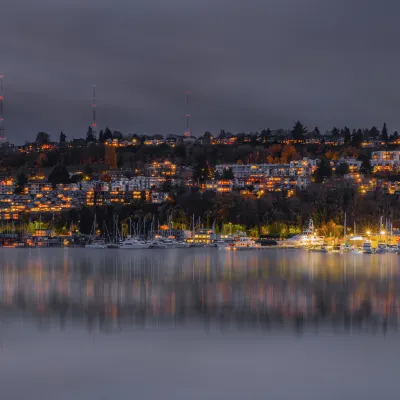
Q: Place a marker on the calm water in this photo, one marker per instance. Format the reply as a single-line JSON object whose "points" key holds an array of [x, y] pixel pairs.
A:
{"points": [[100, 324]]}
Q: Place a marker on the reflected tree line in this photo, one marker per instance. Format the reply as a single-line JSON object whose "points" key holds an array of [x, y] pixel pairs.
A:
{"points": [[109, 305]]}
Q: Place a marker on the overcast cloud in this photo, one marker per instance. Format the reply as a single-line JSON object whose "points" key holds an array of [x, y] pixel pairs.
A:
{"points": [[248, 64]]}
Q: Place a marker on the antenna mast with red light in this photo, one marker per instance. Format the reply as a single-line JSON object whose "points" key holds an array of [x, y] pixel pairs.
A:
{"points": [[187, 132], [2, 135], [94, 124]]}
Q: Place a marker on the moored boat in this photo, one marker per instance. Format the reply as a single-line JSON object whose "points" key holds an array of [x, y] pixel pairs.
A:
{"points": [[133, 244], [367, 247], [318, 249]]}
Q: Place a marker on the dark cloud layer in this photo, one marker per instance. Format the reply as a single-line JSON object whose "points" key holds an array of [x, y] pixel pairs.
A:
{"points": [[248, 64]]}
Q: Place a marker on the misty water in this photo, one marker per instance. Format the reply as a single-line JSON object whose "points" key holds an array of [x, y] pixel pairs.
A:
{"points": [[100, 324]]}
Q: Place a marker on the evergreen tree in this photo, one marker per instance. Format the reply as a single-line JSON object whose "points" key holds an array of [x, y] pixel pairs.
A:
{"points": [[202, 170], [317, 131], [63, 138], [335, 132], [90, 136], [374, 132], [357, 138], [107, 134], [346, 135], [323, 171], [366, 167], [101, 136], [21, 182], [59, 175], [227, 174], [342, 169], [265, 133], [85, 221], [299, 131], [385, 136], [207, 136]]}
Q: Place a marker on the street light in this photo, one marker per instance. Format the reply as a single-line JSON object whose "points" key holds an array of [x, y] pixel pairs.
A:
{"points": [[383, 232]]}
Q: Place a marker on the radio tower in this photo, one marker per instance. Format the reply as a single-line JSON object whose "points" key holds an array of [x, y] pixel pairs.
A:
{"points": [[187, 132], [94, 125], [2, 135]]}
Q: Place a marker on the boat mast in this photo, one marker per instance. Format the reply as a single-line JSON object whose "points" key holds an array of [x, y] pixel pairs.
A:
{"points": [[344, 227]]}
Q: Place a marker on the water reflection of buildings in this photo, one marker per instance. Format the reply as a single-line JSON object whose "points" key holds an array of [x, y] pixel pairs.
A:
{"points": [[229, 288]]}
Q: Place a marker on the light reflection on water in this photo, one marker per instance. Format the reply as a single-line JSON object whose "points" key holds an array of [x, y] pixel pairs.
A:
{"points": [[266, 286]]}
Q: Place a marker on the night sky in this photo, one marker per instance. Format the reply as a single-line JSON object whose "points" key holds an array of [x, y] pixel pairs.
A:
{"points": [[248, 64]]}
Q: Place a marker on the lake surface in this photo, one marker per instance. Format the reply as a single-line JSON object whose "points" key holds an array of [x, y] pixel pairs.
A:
{"points": [[190, 324]]}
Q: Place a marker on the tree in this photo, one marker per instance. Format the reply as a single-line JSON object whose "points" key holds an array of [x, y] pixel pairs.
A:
{"points": [[202, 170], [342, 169], [357, 138], [346, 135], [323, 171], [166, 186], [227, 174], [101, 136], [366, 167], [394, 136], [374, 132], [335, 132], [59, 175], [299, 131], [207, 136], [21, 182], [265, 133], [87, 169], [90, 135], [107, 134], [42, 138], [63, 138], [317, 131], [385, 136], [85, 221]]}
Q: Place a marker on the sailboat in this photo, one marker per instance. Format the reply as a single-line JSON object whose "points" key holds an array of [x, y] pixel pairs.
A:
{"points": [[92, 243], [113, 242]]}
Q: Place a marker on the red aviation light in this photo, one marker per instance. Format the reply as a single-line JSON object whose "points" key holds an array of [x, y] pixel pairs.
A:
{"points": [[94, 124], [93, 105], [1, 98]]}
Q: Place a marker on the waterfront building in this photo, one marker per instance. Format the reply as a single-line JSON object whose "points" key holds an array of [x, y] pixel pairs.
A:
{"points": [[204, 236]]}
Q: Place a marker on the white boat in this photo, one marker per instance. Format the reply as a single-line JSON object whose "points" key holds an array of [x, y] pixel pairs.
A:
{"points": [[367, 247], [222, 244], [382, 248], [166, 243], [306, 239], [96, 245], [391, 248], [134, 244], [113, 246], [244, 243]]}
